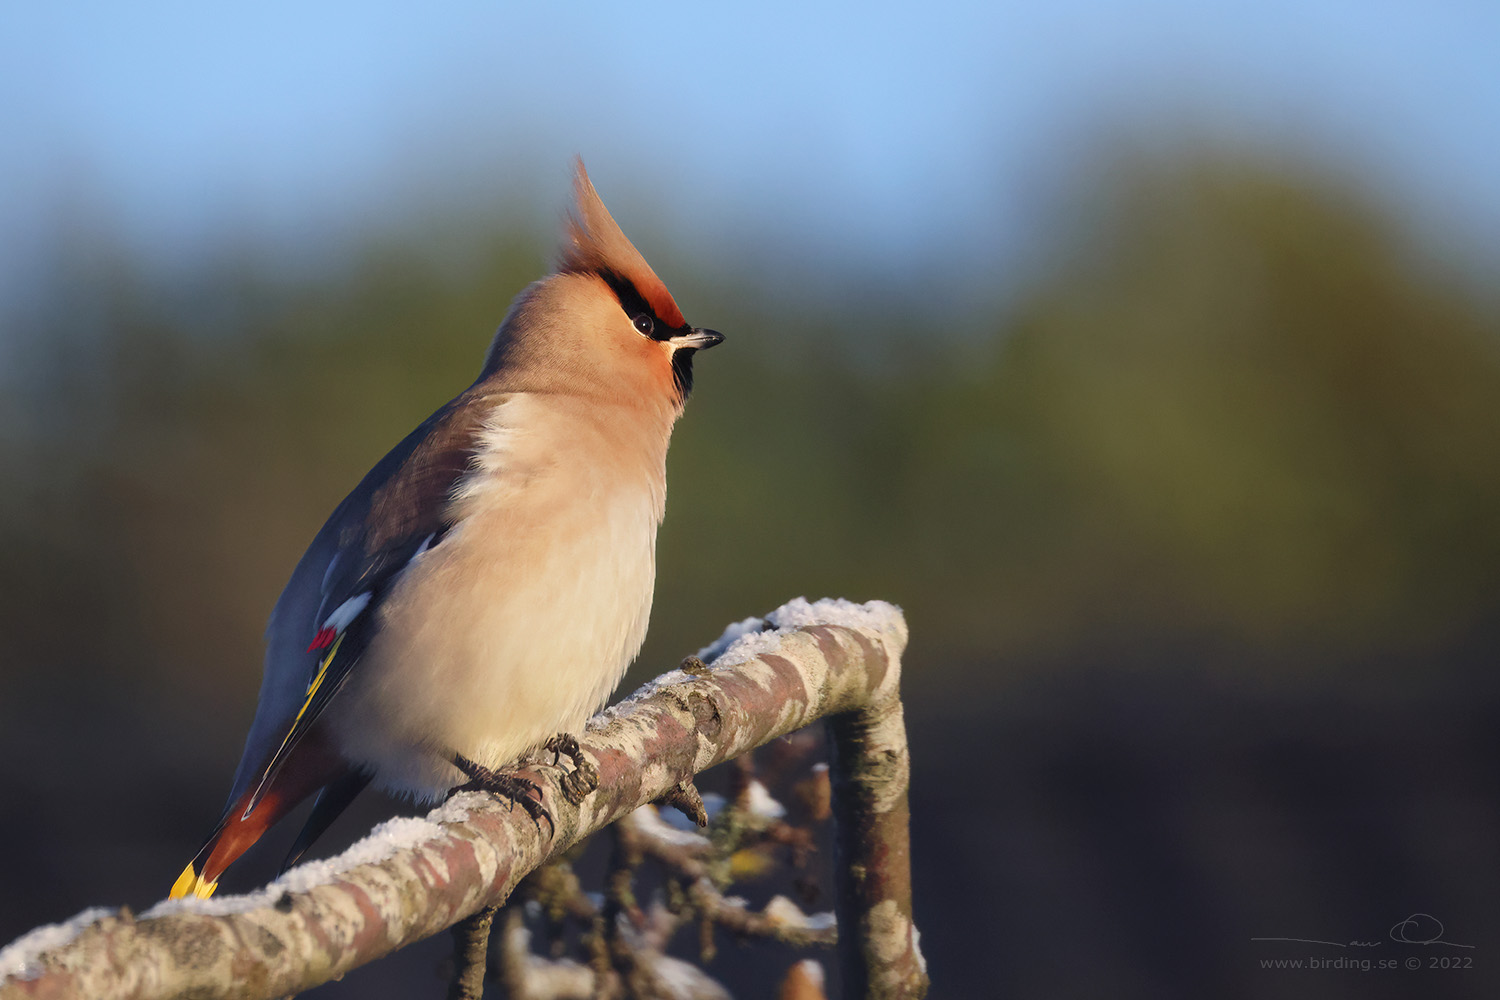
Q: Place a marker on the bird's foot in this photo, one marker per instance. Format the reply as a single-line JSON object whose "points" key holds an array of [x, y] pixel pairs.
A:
{"points": [[511, 787], [584, 777]]}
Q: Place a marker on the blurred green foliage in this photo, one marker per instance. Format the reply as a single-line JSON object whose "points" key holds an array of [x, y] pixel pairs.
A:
{"points": [[1236, 409], [1240, 417]]}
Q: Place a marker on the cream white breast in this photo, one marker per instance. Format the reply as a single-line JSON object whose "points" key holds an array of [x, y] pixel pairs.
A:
{"points": [[519, 623]]}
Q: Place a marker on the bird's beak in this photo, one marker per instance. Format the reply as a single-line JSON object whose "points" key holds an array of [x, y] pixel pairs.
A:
{"points": [[700, 340]]}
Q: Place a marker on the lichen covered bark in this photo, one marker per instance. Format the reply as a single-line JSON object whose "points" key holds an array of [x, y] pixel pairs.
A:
{"points": [[870, 772], [303, 931]]}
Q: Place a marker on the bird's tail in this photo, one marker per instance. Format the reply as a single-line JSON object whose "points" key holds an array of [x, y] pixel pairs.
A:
{"points": [[247, 818]]}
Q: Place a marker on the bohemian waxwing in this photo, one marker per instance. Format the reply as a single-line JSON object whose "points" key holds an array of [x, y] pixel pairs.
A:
{"points": [[487, 583]]}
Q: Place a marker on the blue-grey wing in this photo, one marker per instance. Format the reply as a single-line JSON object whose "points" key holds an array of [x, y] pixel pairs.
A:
{"points": [[325, 615]]}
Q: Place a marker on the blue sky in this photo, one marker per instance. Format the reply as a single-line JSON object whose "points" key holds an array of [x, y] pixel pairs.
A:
{"points": [[876, 134]]}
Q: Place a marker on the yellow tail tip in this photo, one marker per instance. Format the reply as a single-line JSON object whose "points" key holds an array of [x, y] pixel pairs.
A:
{"points": [[189, 883]]}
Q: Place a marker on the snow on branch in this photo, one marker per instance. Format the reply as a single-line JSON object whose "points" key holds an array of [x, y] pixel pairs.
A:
{"points": [[411, 878]]}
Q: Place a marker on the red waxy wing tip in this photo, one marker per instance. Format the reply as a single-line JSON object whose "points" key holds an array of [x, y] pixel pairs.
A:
{"points": [[323, 639]]}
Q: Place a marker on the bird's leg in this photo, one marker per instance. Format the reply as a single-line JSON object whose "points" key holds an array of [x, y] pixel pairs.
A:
{"points": [[584, 777], [511, 787]]}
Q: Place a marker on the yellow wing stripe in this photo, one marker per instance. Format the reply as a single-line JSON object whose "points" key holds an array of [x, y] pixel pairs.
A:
{"points": [[317, 682], [312, 691]]}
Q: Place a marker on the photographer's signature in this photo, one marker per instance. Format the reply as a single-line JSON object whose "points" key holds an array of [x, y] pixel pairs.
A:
{"points": [[1419, 928]]}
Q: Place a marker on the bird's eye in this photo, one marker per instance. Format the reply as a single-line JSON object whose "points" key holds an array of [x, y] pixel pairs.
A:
{"points": [[644, 324]]}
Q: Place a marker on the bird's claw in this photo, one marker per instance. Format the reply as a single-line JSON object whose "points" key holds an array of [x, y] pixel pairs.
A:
{"points": [[515, 789], [584, 777], [564, 743]]}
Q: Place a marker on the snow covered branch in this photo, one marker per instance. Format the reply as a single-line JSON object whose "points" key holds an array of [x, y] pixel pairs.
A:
{"points": [[411, 878]]}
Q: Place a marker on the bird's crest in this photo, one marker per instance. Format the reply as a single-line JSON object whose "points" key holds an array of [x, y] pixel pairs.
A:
{"points": [[597, 246]]}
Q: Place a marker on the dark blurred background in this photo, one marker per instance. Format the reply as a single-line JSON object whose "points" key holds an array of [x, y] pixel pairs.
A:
{"points": [[1149, 358]]}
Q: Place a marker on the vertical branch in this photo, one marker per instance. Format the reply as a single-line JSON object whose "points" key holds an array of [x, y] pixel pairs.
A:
{"points": [[870, 772], [471, 949]]}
